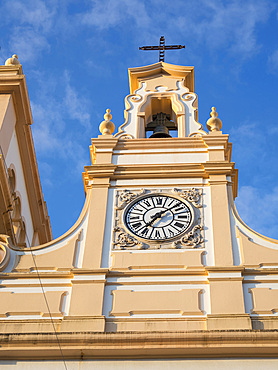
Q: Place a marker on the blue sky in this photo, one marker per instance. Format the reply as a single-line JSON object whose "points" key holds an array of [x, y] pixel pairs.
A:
{"points": [[75, 55]]}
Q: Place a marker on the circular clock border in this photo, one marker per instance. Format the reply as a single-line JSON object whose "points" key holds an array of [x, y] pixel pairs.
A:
{"points": [[155, 241]]}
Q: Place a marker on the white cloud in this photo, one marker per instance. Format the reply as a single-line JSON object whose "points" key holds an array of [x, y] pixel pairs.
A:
{"points": [[35, 13], [27, 44], [222, 25], [52, 118], [111, 13], [219, 25], [273, 61], [75, 105], [259, 209], [30, 23], [227, 25]]}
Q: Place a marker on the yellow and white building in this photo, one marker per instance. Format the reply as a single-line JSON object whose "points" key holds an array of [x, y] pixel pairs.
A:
{"points": [[159, 270]]}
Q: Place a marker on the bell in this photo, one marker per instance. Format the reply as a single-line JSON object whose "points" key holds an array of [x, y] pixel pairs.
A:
{"points": [[160, 126], [160, 131]]}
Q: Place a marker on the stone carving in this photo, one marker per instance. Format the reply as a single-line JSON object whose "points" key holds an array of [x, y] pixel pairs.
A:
{"points": [[5, 242], [126, 137], [125, 240], [127, 196], [188, 96], [191, 239], [193, 195]]}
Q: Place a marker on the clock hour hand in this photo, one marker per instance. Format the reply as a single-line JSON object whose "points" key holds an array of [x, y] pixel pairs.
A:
{"points": [[154, 217], [157, 215]]}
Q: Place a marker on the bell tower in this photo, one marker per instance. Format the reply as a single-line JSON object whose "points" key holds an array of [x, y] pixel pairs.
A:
{"points": [[159, 263], [168, 206]]}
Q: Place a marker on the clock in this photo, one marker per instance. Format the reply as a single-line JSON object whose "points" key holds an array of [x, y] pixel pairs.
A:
{"points": [[158, 217]]}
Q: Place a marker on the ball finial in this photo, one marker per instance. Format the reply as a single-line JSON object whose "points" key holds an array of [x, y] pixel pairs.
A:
{"points": [[214, 123], [107, 127], [13, 61]]}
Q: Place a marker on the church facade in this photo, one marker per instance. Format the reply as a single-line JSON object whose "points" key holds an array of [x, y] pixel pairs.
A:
{"points": [[159, 270]]}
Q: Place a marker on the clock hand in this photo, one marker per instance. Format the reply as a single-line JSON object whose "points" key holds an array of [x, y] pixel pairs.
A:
{"points": [[159, 215], [154, 217]]}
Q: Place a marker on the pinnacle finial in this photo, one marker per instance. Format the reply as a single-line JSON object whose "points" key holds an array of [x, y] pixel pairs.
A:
{"points": [[107, 127], [214, 123], [13, 61]]}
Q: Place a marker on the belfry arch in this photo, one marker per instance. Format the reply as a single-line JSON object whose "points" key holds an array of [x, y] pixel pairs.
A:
{"points": [[168, 103]]}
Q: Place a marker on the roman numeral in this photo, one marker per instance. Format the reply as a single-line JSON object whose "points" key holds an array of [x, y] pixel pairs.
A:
{"points": [[134, 217], [179, 224], [171, 233], [170, 203], [144, 232], [136, 225], [178, 209], [158, 201], [146, 203]]}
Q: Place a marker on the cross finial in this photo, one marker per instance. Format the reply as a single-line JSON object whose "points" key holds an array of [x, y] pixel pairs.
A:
{"points": [[162, 47]]}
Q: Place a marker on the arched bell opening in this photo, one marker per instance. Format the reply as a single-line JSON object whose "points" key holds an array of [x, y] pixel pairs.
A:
{"points": [[161, 120]]}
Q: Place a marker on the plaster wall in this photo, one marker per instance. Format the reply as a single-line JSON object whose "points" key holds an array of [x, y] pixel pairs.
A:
{"points": [[155, 364], [168, 156]]}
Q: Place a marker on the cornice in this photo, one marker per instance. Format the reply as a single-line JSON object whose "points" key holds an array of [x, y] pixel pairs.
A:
{"points": [[216, 140], [100, 170], [197, 170], [27, 274], [171, 143], [138, 74], [159, 171], [261, 271], [220, 344], [157, 272], [102, 142], [217, 168], [224, 269]]}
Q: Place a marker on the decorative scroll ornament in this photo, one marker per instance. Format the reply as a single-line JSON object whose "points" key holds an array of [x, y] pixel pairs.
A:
{"points": [[127, 196], [5, 242], [188, 96], [125, 240], [126, 137], [192, 195], [190, 240], [135, 98]]}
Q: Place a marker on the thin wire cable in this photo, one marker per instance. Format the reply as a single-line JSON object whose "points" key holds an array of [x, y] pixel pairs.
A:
{"points": [[35, 264]]}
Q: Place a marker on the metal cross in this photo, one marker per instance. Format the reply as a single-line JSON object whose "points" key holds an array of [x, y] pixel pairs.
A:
{"points": [[162, 47]]}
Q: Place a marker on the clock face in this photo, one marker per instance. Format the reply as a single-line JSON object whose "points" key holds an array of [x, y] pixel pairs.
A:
{"points": [[158, 217]]}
